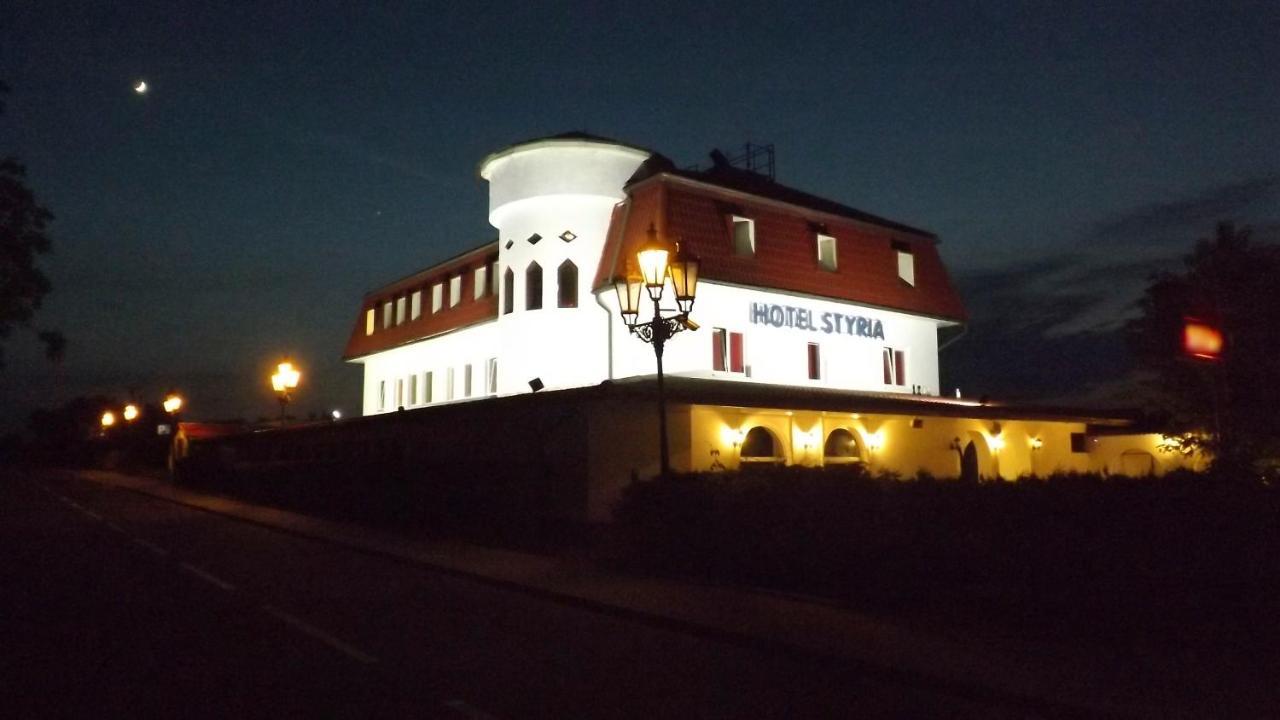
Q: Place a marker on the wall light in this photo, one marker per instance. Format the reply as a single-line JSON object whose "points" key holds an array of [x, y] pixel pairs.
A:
{"points": [[875, 440], [1036, 443], [996, 442]]}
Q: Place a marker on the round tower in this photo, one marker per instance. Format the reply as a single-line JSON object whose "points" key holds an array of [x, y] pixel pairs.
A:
{"points": [[551, 200]]}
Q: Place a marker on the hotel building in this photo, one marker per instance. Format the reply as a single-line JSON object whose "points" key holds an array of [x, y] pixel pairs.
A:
{"points": [[819, 333]]}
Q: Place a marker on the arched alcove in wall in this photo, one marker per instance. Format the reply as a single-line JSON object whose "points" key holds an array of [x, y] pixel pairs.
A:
{"points": [[974, 456], [842, 446], [760, 445], [1135, 463]]}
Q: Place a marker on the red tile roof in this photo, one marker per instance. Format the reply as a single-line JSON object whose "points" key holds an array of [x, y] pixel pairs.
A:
{"points": [[468, 311], [695, 208]]}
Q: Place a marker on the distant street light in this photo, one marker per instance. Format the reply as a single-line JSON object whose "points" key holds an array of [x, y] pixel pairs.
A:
{"points": [[108, 419], [655, 269], [130, 412], [284, 381], [173, 405]]}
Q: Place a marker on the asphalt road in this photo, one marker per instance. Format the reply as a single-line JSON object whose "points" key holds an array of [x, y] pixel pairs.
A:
{"points": [[116, 604]]}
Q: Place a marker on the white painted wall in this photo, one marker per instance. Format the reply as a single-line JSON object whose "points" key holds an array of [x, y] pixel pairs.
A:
{"points": [[779, 355], [547, 188], [472, 345]]}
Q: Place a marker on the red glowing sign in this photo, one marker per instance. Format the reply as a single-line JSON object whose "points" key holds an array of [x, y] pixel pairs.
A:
{"points": [[1201, 341]]}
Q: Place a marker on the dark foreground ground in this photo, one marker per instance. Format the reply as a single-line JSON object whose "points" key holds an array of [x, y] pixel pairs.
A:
{"points": [[116, 604]]}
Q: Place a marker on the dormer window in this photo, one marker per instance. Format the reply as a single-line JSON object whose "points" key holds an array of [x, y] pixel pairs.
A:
{"points": [[827, 252], [437, 297], [370, 321], [744, 236], [415, 305], [906, 262], [387, 309]]}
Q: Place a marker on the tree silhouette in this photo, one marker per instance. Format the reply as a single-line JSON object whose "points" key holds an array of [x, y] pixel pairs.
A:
{"points": [[23, 236], [1233, 284]]}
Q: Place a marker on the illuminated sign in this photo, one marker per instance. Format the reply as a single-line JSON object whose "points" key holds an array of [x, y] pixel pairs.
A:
{"points": [[1200, 340], [829, 323]]}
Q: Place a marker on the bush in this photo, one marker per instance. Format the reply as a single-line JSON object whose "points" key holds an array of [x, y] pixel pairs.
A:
{"points": [[849, 532]]}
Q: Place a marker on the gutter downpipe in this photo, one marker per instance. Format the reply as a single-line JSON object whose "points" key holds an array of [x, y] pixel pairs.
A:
{"points": [[613, 269]]}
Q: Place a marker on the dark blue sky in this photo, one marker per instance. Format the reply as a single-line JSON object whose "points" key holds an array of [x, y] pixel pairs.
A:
{"points": [[288, 159]]}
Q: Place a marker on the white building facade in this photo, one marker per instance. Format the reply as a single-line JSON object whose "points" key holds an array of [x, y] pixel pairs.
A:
{"points": [[796, 290]]}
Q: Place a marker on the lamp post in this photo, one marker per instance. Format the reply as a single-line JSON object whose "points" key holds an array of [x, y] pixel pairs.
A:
{"points": [[284, 381], [656, 267], [173, 406]]}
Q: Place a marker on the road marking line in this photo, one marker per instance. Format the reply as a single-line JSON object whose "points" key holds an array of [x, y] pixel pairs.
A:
{"points": [[324, 637], [150, 546], [207, 576], [468, 710]]}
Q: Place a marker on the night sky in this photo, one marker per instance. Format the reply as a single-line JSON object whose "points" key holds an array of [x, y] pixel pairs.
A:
{"points": [[287, 160]]}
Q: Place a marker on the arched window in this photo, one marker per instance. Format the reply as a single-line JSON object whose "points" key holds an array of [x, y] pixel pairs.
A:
{"points": [[841, 446], [567, 285], [760, 444], [508, 292], [533, 287]]}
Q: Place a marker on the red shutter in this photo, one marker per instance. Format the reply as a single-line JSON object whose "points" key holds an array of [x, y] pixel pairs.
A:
{"points": [[735, 352], [717, 349], [815, 364], [900, 363]]}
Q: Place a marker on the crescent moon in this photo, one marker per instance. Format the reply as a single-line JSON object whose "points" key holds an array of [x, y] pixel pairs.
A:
{"points": [[141, 87]]}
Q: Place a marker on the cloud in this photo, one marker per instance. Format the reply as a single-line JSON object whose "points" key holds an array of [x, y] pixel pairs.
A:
{"points": [[1221, 202], [1053, 326]]}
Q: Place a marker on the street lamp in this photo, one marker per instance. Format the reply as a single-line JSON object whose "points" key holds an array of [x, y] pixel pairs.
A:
{"points": [[130, 412], [173, 405], [656, 267], [108, 419], [284, 381]]}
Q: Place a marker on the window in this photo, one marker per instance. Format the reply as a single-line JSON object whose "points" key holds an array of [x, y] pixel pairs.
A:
{"points": [[567, 285], [466, 381], [415, 305], [568, 236], [744, 236], [382, 395], [386, 314], [427, 379], [533, 287], [1078, 444], [493, 277], [726, 351], [480, 283], [491, 376], [827, 252], [413, 389], [815, 362], [448, 384], [400, 309], [906, 263], [508, 292], [437, 297], [455, 290], [399, 393], [370, 321], [895, 366], [534, 238]]}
